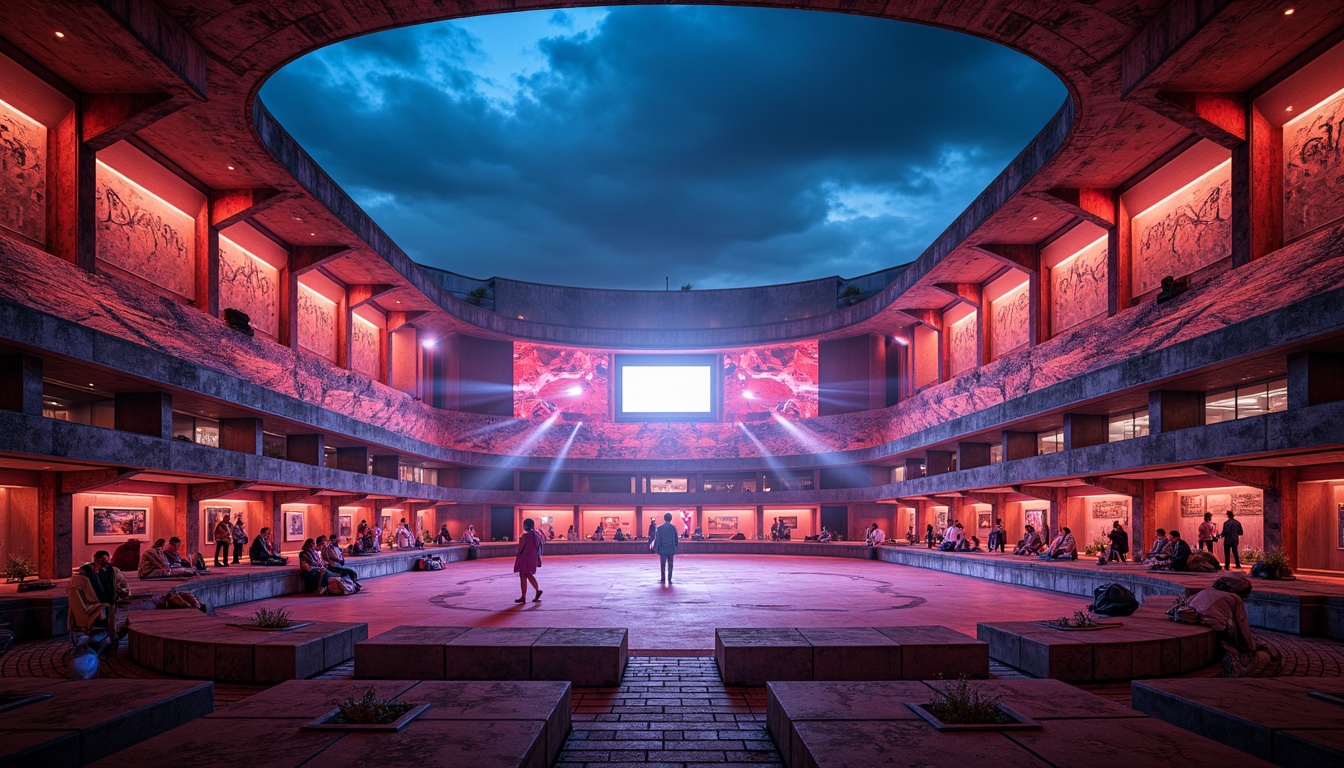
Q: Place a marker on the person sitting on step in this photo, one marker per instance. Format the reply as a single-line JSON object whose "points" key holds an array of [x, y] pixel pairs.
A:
{"points": [[1030, 544], [334, 559], [444, 538], [154, 565], [1160, 551], [1179, 554], [262, 552], [1063, 547], [470, 537]]}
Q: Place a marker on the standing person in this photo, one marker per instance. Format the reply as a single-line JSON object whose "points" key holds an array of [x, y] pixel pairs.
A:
{"points": [[528, 559], [1208, 532], [686, 516], [1002, 540], [774, 530], [928, 535], [1231, 537], [223, 536], [653, 528], [240, 539], [665, 544]]}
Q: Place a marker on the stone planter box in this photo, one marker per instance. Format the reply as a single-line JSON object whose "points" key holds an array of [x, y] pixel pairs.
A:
{"points": [[753, 656]]}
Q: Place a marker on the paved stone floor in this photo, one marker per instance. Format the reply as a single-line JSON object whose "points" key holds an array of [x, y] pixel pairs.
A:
{"points": [[708, 591]]}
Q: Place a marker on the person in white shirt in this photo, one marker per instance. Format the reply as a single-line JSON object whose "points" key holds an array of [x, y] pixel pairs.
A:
{"points": [[875, 536]]}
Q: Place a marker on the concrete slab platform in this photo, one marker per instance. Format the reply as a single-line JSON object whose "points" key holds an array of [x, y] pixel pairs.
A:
{"points": [[1143, 646], [585, 656], [928, 651], [405, 653], [753, 655], [852, 653], [492, 653]]}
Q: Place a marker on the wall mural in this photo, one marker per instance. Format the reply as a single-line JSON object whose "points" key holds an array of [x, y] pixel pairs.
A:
{"points": [[1078, 288], [550, 379], [1012, 317], [144, 235], [365, 348], [317, 323], [781, 378], [250, 285], [23, 174], [964, 340], [1190, 230], [1313, 173]]}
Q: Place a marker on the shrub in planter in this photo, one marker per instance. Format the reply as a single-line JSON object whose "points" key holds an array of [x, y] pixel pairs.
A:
{"points": [[1273, 565], [19, 568]]}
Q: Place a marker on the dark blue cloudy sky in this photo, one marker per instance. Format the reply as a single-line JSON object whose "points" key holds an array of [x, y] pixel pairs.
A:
{"points": [[612, 147]]}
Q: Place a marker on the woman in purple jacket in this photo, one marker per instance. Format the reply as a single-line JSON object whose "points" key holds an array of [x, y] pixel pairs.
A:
{"points": [[528, 560]]}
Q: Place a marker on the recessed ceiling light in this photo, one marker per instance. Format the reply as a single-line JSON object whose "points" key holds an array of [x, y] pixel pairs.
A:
{"points": [[1034, 218], [230, 167], [1289, 109], [1286, 12], [312, 234], [398, 301], [520, 317], [60, 35]]}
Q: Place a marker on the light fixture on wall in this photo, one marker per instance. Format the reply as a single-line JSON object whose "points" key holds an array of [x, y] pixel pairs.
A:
{"points": [[60, 35], [1289, 11], [230, 167]]}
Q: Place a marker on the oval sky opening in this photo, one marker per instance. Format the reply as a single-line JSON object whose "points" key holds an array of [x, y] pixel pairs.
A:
{"points": [[664, 146]]}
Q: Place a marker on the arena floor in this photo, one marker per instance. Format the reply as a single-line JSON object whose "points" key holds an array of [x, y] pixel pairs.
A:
{"points": [[708, 591]]}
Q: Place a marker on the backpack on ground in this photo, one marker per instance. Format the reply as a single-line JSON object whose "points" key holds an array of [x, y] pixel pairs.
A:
{"points": [[341, 586], [1113, 600]]}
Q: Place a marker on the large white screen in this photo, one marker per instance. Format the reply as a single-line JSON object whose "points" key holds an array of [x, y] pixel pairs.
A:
{"points": [[666, 389]]}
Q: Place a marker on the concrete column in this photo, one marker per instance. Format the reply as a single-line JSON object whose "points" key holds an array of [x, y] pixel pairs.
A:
{"points": [[1119, 262], [1018, 445], [1170, 410], [186, 518], [145, 413], [1257, 190], [21, 384], [306, 449], [55, 527], [972, 455], [71, 181], [333, 519], [277, 522], [242, 435], [1280, 509], [937, 462], [357, 460], [1084, 429], [389, 465], [1315, 378]]}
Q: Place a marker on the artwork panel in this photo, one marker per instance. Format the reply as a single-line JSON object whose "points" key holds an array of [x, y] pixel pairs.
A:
{"points": [[782, 379], [1217, 504], [722, 523], [365, 348], [965, 341], [294, 526], [249, 285], [1078, 288], [1184, 233], [610, 523], [317, 323], [1192, 506], [983, 520], [550, 379], [1110, 509], [144, 235], [1313, 173], [1247, 504], [1011, 318], [23, 174], [1340, 525], [1035, 518], [108, 525], [212, 517], [791, 521]]}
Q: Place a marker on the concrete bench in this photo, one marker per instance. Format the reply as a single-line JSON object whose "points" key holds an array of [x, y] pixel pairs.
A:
{"points": [[496, 724], [585, 656], [87, 720], [1145, 646], [867, 723], [753, 656], [190, 644], [1274, 719]]}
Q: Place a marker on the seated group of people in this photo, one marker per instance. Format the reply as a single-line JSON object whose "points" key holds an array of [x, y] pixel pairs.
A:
{"points": [[874, 535], [956, 540], [165, 559], [319, 560], [781, 531]]}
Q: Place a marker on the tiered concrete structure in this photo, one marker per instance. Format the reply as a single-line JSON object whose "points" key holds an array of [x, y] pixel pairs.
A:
{"points": [[1022, 368]]}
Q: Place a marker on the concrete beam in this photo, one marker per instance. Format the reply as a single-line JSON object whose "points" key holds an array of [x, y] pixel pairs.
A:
{"points": [[1264, 478], [1116, 484], [306, 258], [1152, 54], [231, 206], [294, 497], [112, 117], [85, 481], [1026, 257], [1042, 492], [363, 293], [971, 293], [163, 37], [1095, 205], [1218, 117]]}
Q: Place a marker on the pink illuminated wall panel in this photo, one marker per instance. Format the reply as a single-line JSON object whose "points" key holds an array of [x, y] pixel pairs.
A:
{"points": [[364, 347], [1190, 229], [317, 323], [1313, 173], [1011, 316], [1078, 288], [965, 339], [23, 174], [249, 284], [144, 235], [546, 379], [780, 378]]}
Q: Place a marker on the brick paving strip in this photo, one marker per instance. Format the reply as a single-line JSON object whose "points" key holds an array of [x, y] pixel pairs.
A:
{"points": [[669, 711]]}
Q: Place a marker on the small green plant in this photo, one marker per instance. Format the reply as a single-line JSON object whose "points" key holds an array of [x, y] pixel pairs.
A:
{"points": [[272, 619], [1251, 555], [1096, 547], [1079, 620], [1275, 558], [478, 295], [19, 568], [368, 709], [960, 704], [850, 290]]}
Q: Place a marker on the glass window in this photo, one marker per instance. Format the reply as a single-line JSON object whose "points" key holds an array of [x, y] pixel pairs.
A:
{"points": [[1278, 395], [1050, 442], [1220, 406], [207, 432], [898, 474], [996, 453], [668, 485], [1141, 423], [1126, 426]]}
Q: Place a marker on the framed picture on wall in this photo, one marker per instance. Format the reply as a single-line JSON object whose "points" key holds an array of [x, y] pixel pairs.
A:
{"points": [[1192, 506], [1341, 526], [722, 522], [345, 525], [984, 521], [792, 522], [610, 523], [294, 527], [1110, 509], [107, 525], [1035, 518]]}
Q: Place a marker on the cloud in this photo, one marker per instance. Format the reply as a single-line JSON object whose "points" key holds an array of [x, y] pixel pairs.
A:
{"points": [[718, 146]]}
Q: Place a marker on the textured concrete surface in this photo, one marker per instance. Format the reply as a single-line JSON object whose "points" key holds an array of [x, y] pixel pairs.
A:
{"points": [[711, 591]]}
